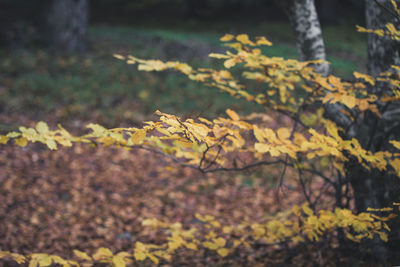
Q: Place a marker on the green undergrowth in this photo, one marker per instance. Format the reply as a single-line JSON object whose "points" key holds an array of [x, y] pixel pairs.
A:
{"points": [[100, 88]]}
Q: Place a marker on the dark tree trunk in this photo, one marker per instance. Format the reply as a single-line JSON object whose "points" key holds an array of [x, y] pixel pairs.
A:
{"points": [[382, 51], [373, 188], [67, 24]]}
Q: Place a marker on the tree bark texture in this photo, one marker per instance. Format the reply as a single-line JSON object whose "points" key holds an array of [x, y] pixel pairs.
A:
{"points": [[382, 51], [67, 24], [303, 18], [373, 188]]}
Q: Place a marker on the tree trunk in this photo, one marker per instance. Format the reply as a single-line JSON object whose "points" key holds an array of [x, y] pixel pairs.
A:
{"points": [[67, 23], [373, 188], [303, 18], [382, 51]]}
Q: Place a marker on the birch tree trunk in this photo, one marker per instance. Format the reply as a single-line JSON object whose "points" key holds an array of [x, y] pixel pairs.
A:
{"points": [[67, 24], [303, 18]]}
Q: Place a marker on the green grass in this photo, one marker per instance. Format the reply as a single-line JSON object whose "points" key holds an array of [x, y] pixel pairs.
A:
{"points": [[101, 88]]}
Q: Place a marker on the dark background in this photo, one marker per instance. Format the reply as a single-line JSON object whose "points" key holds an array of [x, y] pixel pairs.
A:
{"points": [[40, 81], [22, 21]]}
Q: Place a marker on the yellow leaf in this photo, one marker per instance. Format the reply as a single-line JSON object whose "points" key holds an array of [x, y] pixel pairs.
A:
{"points": [[4, 139], [395, 143], [18, 258], [191, 246], [153, 259], [349, 101], [396, 166], [42, 127], [82, 255], [51, 144], [118, 261], [102, 253], [383, 236], [296, 210], [227, 37], [394, 4], [391, 28], [234, 116], [215, 224], [227, 229], [365, 77], [119, 56], [283, 133], [244, 39], [210, 245], [382, 209], [220, 241], [140, 246], [262, 147], [205, 121], [44, 261], [140, 256], [258, 134], [98, 130], [223, 252], [21, 141], [219, 56], [263, 41], [33, 263], [138, 136], [230, 63], [307, 210]]}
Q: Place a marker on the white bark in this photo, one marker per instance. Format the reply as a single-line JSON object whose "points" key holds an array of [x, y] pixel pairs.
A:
{"points": [[304, 20]]}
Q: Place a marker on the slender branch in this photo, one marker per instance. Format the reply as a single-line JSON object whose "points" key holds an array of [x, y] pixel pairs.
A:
{"points": [[249, 166], [387, 10], [303, 187]]}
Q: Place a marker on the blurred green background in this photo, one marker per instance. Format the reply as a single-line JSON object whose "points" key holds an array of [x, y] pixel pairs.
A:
{"points": [[38, 83]]}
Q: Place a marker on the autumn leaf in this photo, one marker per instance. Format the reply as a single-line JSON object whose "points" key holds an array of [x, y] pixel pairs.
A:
{"points": [[4, 139], [244, 39], [117, 56], [220, 241], [227, 38], [365, 77], [21, 141], [102, 253], [140, 256], [138, 136], [42, 127], [210, 245], [82, 255], [223, 252], [51, 144], [118, 261], [263, 41], [219, 56], [234, 116]]}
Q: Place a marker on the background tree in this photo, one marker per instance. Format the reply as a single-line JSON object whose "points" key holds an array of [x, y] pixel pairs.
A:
{"points": [[304, 20], [375, 188], [67, 24]]}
